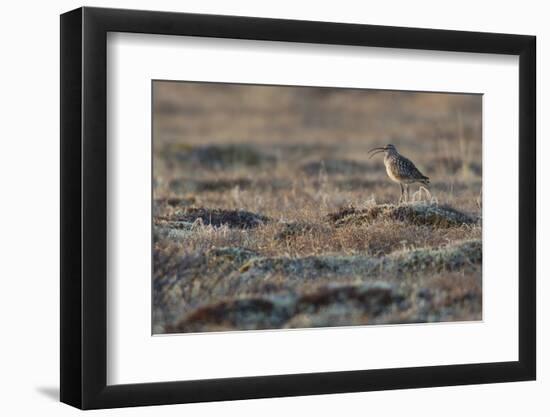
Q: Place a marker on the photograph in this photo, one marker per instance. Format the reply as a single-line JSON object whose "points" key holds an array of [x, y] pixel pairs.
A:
{"points": [[284, 207], [284, 204]]}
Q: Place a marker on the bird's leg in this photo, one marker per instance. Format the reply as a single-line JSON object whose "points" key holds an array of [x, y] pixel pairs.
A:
{"points": [[406, 193], [402, 193]]}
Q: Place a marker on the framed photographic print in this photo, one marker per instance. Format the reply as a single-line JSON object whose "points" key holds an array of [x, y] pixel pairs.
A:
{"points": [[257, 208]]}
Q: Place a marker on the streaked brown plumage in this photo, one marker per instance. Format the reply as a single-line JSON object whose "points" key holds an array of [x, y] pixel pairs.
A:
{"points": [[400, 169]]}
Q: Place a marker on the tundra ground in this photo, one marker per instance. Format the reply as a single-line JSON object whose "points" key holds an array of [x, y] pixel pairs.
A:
{"points": [[268, 214]]}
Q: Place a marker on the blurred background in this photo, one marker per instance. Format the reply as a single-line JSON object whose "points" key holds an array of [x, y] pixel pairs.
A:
{"points": [[209, 137]]}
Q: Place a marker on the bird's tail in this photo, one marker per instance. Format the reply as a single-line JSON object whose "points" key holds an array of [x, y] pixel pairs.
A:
{"points": [[425, 180]]}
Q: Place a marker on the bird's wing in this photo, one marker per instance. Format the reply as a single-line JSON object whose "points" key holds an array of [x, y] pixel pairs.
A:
{"points": [[409, 169]]}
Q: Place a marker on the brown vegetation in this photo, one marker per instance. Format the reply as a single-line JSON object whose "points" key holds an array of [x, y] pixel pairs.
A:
{"points": [[269, 214]]}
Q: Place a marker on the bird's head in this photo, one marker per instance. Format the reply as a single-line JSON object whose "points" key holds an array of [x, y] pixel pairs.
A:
{"points": [[386, 149]]}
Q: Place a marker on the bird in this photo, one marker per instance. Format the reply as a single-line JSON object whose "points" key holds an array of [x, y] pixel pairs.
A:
{"points": [[400, 169]]}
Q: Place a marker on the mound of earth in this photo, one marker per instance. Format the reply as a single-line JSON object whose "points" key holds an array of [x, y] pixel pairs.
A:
{"points": [[420, 214], [326, 306], [232, 288], [192, 185], [450, 258], [239, 219], [202, 185], [224, 156]]}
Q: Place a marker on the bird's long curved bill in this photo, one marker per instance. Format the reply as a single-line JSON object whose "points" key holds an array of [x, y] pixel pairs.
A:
{"points": [[375, 151]]}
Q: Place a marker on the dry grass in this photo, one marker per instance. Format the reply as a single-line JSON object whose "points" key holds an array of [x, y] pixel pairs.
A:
{"points": [[269, 214]]}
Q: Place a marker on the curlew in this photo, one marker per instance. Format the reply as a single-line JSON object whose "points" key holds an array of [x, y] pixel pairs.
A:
{"points": [[400, 169]]}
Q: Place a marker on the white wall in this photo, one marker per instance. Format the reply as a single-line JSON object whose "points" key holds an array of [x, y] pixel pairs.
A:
{"points": [[29, 172]]}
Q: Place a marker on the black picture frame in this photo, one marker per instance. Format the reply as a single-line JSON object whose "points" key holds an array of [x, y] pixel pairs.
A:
{"points": [[84, 207]]}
